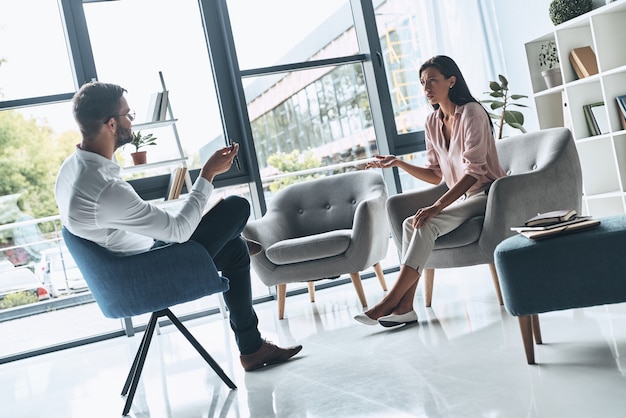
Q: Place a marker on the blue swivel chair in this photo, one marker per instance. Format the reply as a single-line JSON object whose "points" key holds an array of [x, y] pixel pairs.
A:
{"points": [[150, 282]]}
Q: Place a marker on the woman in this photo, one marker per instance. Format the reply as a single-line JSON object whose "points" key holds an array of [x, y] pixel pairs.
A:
{"points": [[460, 150]]}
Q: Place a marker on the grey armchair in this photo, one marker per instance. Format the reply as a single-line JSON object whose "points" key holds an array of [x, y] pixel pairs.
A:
{"points": [[322, 228], [543, 174]]}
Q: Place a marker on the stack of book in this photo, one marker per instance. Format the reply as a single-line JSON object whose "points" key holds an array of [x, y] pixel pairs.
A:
{"points": [[157, 108], [177, 181], [553, 223], [596, 118], [621, 105]]}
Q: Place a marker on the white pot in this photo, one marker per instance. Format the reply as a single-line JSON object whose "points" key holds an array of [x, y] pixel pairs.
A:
{"points": [[552, 77]]}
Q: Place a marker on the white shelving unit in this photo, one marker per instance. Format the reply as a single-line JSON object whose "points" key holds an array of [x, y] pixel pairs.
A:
{"points": [[170, 122], [602, 157]]}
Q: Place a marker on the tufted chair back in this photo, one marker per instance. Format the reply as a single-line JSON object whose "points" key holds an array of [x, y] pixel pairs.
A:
{"points": [[322, 228], [324, 204]]}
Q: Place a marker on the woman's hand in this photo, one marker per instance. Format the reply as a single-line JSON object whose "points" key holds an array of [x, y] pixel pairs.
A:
{"points": [[382, 161], [424, 214]]}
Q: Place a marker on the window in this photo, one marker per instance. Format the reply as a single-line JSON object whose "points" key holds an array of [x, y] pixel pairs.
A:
{"points": [[271, 32], [291, 77], [158, 36], [33, 63]]}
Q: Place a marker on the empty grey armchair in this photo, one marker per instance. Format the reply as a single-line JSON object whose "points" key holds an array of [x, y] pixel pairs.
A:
{"points": [[543, 174], [322, 228]]}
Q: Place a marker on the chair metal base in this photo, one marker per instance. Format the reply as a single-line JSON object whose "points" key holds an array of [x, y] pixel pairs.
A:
{"points": [[130, 387]]}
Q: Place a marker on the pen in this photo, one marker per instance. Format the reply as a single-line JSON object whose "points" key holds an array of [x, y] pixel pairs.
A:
{"points": [[232, 146]]}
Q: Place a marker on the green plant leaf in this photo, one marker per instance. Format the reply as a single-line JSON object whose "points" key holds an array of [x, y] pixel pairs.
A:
{"points": [[504, 81], [513, 117], [518, 96], [496, 105], [496, 94], [517, 126], [494, 86]]}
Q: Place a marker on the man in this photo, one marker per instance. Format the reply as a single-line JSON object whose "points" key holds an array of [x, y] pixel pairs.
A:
{"points": [[95, 203]]}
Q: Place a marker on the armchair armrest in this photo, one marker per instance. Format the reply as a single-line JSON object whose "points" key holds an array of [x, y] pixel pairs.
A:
{"points": [[370, 229], [403, 205], [267, 230], [515, 198]]}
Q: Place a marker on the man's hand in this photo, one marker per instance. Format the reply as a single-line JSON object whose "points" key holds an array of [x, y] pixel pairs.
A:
{"points": [[219, 162]]}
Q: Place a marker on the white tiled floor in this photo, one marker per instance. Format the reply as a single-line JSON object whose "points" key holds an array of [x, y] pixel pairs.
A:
{"points": [[464, 359]]}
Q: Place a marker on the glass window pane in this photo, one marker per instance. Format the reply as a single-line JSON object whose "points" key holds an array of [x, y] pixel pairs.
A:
{"points": [[308, 120], [267, 32], [153, 41], [39, 64], [411, 32]]}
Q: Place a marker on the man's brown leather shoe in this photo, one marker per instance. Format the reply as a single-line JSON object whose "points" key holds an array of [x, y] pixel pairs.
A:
{"points": [[266, 355]]}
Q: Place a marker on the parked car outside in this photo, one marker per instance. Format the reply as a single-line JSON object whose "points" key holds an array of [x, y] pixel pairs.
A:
{"points": [[20, 279], [59, 272]]}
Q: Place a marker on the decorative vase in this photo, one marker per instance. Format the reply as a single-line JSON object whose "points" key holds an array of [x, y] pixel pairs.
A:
{"points": [[139, 157], [552, 77]]}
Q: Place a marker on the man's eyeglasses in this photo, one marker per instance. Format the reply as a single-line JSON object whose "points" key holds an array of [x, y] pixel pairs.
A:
{"points": [[130, 115]]}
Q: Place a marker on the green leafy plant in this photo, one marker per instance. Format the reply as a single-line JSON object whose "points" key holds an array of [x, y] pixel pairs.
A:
{"points": [[291, 162], [139, 141], [564, 10], [502, 99], [17, 299], [548, 57]]}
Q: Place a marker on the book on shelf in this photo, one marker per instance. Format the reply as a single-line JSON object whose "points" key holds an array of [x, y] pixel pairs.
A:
{"points": [[163, 105], [621, 105], [177, 180], [592, 122], [560, 229], [584, 61], [598, 113], [548, 218], [155, 99]]}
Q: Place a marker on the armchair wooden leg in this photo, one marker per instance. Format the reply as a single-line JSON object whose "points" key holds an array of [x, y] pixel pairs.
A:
{"points": [[525, 325], [536, 329], [429, 277], [358, 286], [281, 293], [496, 282], [381, 277], [311, 286]]}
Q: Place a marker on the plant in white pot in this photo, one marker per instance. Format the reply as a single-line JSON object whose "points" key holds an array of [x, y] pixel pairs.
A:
{"points": [[139, 141], [549, 61]]}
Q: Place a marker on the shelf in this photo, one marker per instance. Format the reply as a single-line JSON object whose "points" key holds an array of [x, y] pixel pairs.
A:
{"points": [[154, 125], [602, 157], [149, 166]]}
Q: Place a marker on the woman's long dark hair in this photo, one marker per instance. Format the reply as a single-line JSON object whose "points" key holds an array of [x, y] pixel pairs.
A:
{"points": [[459, 93]]}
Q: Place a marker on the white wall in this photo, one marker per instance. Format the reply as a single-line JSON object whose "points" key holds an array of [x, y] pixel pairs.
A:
{"points": [[520, 22]]}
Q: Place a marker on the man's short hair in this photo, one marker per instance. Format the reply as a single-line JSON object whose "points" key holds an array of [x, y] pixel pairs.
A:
{"points": [[94, 104]]}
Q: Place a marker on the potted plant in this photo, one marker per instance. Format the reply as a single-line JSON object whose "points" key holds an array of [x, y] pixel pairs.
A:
{"points": [[564, 10], [549, 61], [139, 141], [502, 99]]}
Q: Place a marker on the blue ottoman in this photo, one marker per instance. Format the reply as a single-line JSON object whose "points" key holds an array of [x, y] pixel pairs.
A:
{"points": [[576, 270]]}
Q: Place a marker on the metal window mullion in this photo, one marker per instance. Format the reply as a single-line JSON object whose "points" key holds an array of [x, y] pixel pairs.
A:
{"points": [[376, 85]]}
